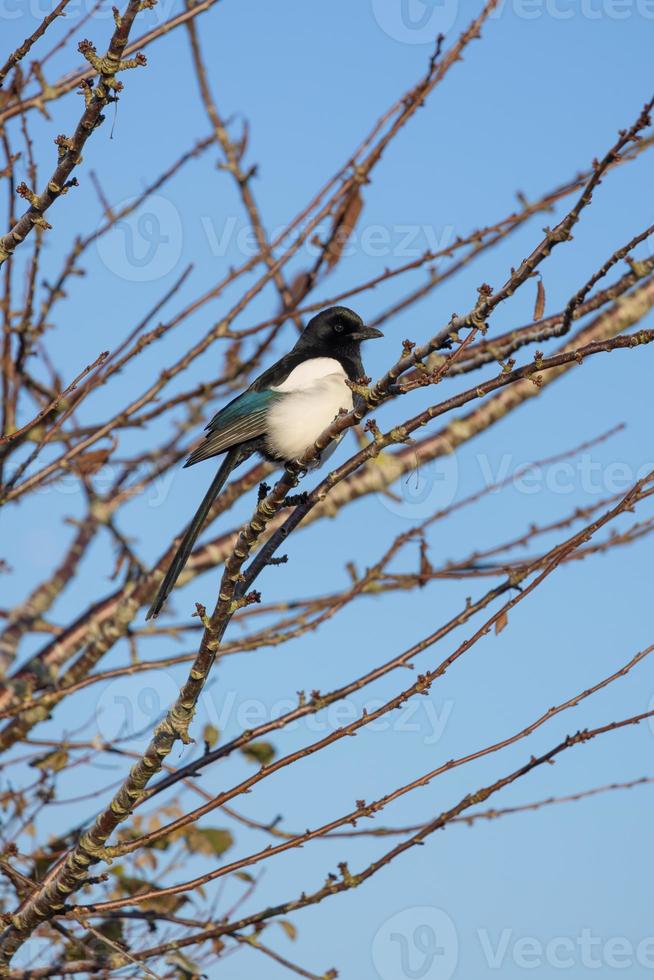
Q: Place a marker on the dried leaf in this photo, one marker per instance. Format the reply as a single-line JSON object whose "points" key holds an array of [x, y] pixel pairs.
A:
{"points": [[210, 735], [51, 761], [539, 308], [89, 463], [163, 903], [244, 140], [208, 840], [501, 622], [75, 950], [184, 967], [261, 752], [344, 222], [244, 876], [299, 287], [288, 928]]}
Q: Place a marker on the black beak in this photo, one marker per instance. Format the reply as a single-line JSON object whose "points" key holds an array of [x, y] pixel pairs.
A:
{"points": [[366, 333]]}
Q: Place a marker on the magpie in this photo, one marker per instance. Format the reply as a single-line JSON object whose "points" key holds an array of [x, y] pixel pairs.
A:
{"points": [[281, 414]]}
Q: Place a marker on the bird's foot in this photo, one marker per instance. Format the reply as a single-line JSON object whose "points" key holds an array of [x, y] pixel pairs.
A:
{"points": [[295, 469]]}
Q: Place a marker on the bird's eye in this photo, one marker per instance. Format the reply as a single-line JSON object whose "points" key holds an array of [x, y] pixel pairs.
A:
{"points": [[338, 327]]}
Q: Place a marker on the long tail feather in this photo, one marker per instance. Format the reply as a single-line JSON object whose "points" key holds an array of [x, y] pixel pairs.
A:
{"points": [[231, 460]]}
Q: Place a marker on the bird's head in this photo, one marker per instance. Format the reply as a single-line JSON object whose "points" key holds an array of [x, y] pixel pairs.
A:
{"points": [[336, 329]]}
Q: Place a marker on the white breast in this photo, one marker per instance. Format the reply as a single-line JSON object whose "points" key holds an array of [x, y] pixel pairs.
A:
{"points": [[315, 393]]}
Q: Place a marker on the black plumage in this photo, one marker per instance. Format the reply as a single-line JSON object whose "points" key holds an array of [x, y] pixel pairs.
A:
{"points": [[255, 420]]}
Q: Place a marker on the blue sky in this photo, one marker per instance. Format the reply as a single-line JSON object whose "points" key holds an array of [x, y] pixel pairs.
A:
{"points": [[543, 93]]}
